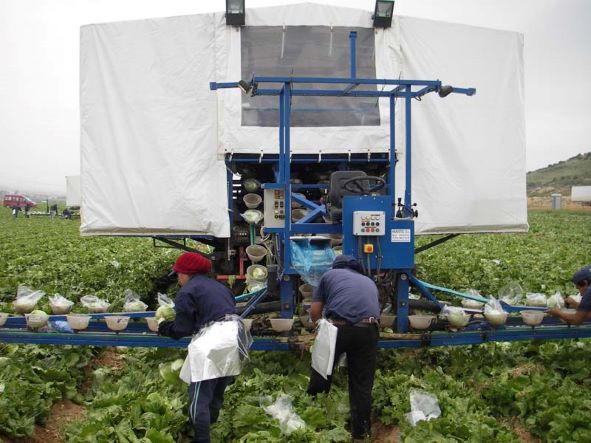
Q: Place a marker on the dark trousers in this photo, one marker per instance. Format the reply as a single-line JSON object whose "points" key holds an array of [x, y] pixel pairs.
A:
{"points": [[360, 344], [205, 401]]}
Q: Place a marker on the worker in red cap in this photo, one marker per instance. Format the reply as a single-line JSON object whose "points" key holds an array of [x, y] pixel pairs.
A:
{"points": [[200, 302], [582, 281]]}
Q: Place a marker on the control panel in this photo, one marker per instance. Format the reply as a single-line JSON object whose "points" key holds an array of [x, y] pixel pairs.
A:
{"points": [[369, 223], [274, 208]]}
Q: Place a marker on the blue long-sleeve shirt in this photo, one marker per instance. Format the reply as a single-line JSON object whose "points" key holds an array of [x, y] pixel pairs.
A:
{"points": [[200, 301]]}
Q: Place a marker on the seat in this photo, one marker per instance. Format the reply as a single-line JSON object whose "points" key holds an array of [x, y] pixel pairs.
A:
{"points": [[336, 192]]}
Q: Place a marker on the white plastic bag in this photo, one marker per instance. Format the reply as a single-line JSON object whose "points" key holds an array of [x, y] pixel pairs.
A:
{"points": [[323, 351], [60, 305], [26, 299], [472, 304], [252, 216], [456, 316], [494, 312], [423, 406], [555, 300], [132, 302], [94, 304], [511, 294], [164, 300], [282, 410], [535, 299]]}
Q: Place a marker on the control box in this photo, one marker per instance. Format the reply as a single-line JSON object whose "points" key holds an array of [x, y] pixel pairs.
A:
{"points": [[274, 208], [369, 223]]}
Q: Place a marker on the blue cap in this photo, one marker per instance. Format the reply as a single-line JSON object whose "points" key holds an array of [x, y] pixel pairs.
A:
{"points": [[582, 274], [346, 261]]}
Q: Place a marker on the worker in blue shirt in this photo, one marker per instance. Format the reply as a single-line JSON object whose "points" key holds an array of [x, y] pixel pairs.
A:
{"points": [[200, 301], [582, 281], [350, 301]]}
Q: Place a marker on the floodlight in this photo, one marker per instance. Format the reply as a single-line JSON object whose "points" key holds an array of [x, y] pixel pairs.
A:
{"points": [[382, 16], [444, 91], [244, 87], [235, 12]]}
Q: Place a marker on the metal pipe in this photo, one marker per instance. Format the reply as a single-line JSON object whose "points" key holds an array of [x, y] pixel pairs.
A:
{"points": [[408, 154], [353, 46]]}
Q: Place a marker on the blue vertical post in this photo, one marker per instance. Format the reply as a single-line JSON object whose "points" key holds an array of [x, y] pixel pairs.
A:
{"points": [[353, 46], [391, 176], [286, 285], [281, 136], [402, 303], [408, 152]]}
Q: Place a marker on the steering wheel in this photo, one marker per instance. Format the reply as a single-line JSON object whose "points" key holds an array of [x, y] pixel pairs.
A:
{"points": [[353, 185]]}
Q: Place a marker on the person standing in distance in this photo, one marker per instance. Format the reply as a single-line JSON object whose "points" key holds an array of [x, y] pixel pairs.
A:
{"points": [[200, 301], [582, 281], [350, 301]]}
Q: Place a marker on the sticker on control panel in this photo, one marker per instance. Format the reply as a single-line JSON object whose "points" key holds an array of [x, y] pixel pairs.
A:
{"points": [[400, 236]]}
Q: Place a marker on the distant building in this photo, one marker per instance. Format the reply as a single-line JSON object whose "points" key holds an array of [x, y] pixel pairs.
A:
{"points": [[581, 194]]}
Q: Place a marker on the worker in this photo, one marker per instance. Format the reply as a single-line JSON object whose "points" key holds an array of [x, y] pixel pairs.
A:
{"points": [[349, 301], [582, 281], [200, 302], [27, 210], [53, 210]]}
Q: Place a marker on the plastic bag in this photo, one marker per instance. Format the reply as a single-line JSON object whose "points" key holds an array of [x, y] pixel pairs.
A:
{"points": [[312, 257], [282, 410], [217, 351], [494, 312], [94, 304], [511, 294], [535, 299], [323, 351], [26, 299], [60, 305], [164, 300], [132, 302], [472, 304], [252, 216], [423, 406], [456, 316], [555, 300]]}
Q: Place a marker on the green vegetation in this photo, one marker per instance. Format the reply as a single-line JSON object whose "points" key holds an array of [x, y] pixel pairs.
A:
{"points": [[560, 177], [494, 392]]}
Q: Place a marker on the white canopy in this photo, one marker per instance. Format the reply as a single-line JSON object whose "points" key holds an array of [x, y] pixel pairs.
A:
{"points": [[73, 193], [153, 134]]}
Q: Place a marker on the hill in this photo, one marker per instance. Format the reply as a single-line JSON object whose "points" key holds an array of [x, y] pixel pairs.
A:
{"points": [[560, 177]]}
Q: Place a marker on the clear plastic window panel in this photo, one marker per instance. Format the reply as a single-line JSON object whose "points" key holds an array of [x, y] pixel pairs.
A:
{"points": [[312, 51]]}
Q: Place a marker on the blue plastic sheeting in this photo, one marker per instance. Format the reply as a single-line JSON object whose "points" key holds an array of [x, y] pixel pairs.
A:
{"points": [[311, 259]]}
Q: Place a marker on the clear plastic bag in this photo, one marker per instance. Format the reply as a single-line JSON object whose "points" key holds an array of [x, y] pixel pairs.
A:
{"points": [[456, 316], [494, 312], [252, 216], [60, 305], [555, 300], [512, 293], [164, 300], [535, 299], [282, 410], [94, 304], [423, 406], [26, 299], [132, 302], [311, 258]]}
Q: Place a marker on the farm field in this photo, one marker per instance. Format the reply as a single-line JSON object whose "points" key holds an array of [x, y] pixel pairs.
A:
{"points": [[503, 392]]}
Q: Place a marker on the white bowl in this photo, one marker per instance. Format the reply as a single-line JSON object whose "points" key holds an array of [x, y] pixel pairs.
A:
{"points": [[306, 290], [250, 271], [256, 253], [387, 320], [78, 322], [3, 318], [532, 318], [252, 201], [281, 324], [496, 319], [117, 322], [152, 324], [247, 322], [420, 321]]}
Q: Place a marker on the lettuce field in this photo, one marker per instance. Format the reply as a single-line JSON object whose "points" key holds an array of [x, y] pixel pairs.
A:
{"points": [[499, 392]]}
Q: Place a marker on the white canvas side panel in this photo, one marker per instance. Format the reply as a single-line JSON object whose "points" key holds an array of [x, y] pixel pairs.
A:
{"points": [[468, 153], [580, 194], [253, 139], [149, 129], [73, 194]]}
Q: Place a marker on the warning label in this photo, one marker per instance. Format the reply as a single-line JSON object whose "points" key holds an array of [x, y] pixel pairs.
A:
{"points": [[400, 236]]}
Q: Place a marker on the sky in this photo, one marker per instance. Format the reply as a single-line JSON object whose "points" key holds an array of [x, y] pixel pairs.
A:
{"points": [[39, 73]]}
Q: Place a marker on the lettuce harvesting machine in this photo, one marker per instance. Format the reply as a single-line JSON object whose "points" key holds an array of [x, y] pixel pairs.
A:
{"points": [[314, 204]]}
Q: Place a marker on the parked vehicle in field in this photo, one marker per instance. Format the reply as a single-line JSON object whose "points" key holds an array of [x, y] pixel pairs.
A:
{"points": [[18, 200]]}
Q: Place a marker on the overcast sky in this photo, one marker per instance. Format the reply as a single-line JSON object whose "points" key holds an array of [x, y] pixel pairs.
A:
{"points": [[39, 70]]}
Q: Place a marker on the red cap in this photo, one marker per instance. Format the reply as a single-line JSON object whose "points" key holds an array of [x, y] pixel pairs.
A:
{"points": [[192, 263]]}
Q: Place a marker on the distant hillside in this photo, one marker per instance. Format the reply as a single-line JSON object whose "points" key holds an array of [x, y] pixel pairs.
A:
{"points": [[560, 177]]}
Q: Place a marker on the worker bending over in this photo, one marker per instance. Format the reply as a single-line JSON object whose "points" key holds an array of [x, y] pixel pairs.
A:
{"points": [[582, 281]]}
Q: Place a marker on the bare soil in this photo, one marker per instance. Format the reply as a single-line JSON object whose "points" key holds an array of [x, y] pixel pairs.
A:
{"points": [[381, 433]]}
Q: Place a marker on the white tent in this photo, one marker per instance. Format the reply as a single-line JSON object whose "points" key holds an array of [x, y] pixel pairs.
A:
{"points": [[153, 134], [580, 194], [73, 193]]}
